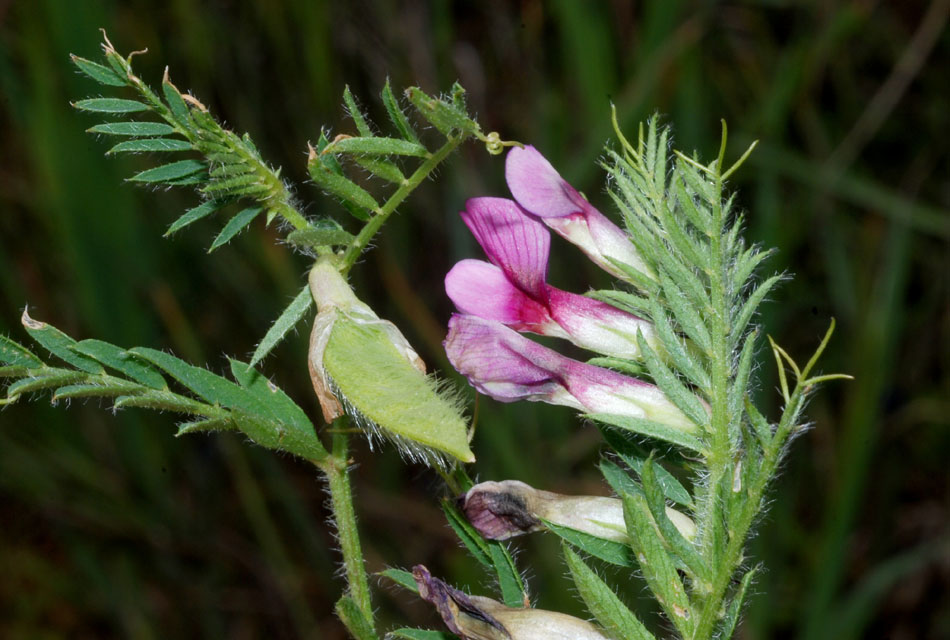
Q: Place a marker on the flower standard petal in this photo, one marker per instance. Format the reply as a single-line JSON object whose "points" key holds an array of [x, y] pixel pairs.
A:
{"points": [[507, 366], [540, 190], [516, 243]]}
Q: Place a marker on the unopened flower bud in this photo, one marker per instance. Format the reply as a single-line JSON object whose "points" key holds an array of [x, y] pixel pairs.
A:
{"points": [[479, 618], [501, 510], [365, 366]]}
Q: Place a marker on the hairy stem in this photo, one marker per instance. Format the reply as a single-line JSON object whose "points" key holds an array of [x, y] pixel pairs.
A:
{"points": [[344, 517], [374, 224]]}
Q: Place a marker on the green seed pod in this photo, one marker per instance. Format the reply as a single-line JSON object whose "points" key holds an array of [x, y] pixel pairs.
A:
{"points": [[364, 366]]}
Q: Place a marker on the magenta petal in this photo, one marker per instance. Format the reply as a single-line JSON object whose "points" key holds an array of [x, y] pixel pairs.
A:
{"points": [[516, 242], [598, 326], [541, 191], [538, 187], [503, 364], [481, 289]]}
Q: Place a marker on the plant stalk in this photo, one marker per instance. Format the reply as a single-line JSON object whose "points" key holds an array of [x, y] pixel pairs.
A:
{"points": [[374, 224], [344, 517]]}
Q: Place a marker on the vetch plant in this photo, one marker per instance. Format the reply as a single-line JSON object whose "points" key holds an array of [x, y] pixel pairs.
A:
{"points": [[688, 457]]}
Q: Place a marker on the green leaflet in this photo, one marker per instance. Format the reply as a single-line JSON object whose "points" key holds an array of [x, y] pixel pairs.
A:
{"points": [[403, 578], [13, 353], [343, 188], [193, 215], [235, 225], [169, 172], [356, 113], [397, 115], [320, 237], [133, 129], [202, 426], [174, 101], [386, 389], [442, 115], [381, 168], [47, 379], [288, 319], [150, 144], [650, 429], [607, 550], [683, 548], [351, 616], [490, 554], [735, 607], [59, 344], [263, 412], [603, 602], [111, 105], [99, 73], [634, 456], [672, 387], [378, 147], [512, 589], [658, 568], [104, 390]]}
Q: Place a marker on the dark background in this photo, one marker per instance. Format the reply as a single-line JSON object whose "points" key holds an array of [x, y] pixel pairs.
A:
{"points": [[112, 528]]}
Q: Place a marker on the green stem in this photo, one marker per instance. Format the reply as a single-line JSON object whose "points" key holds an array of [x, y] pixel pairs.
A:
{"points": [[732, 557], [719, 455], [290, 214], [344, 516], [377, 221]]}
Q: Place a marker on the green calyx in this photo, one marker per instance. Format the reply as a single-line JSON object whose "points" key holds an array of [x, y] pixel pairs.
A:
{"points": [[364, 365], [388, 393]]}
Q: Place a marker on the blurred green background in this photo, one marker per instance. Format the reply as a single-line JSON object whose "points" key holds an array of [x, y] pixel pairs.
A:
{"points": [[112, 528]]}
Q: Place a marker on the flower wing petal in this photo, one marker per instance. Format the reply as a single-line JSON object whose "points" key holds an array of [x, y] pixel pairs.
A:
{"points": [[482, 289]]}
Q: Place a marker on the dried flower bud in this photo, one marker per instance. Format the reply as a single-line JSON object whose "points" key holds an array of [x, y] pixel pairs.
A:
{"points": [[479, 618], [365, 366], [502, 510]]}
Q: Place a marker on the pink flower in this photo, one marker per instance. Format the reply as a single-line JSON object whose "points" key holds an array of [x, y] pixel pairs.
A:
{"points": [[507, 366], [541, 191], [513, 290]]}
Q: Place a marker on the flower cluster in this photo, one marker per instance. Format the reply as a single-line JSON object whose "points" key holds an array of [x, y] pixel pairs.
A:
{"points": [[510, 294]]}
